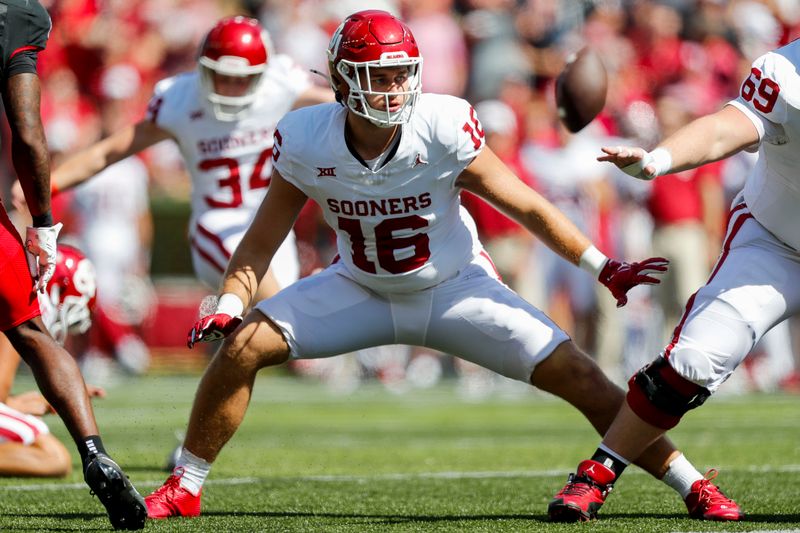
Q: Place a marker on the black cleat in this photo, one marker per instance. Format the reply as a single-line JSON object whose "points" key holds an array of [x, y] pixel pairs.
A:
{"points": [[125, 506]]}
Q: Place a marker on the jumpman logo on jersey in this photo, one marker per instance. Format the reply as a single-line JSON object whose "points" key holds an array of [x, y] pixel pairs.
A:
{"points": [[196, 114], [419, 161]]}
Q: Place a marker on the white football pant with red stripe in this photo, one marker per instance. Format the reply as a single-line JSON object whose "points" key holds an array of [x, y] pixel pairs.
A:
{"points": [[215, 237], [19, 427], [753, 287]]}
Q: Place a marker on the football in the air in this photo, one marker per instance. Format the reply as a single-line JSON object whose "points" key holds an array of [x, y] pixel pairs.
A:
{"points": [[581, 89]]}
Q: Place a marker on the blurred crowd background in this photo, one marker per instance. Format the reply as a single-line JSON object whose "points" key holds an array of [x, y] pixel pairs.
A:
{"points": [[667, 62]]}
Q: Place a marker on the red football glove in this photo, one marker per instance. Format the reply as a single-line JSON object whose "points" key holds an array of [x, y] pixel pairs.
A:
{"points": [[212, 328], [622, 277]]}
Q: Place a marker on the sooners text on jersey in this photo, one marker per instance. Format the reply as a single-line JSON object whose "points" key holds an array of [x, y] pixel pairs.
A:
{"points": [[400, 227]]}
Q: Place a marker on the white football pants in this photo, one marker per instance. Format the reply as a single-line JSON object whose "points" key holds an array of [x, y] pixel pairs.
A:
{"points": [[753, 286], [472, 315]]}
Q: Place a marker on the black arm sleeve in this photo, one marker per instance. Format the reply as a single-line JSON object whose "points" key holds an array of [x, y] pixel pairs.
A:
{"points": [[22, 62], [24, 30]]}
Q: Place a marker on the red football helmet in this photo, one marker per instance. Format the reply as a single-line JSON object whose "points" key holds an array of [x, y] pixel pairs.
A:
{"points": [[235, 47], [71, 294], [373, 39]]}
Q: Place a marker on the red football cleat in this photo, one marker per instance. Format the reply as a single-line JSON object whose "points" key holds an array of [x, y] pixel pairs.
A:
{"points": [[583, 495], [173, 500], [707, 502]]}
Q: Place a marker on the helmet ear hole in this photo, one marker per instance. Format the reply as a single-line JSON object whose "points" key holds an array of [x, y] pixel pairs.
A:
{"points": [[338, 85]]}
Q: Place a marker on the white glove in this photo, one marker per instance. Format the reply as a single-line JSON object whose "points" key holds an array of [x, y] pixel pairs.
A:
{"points": [[40, 244]]}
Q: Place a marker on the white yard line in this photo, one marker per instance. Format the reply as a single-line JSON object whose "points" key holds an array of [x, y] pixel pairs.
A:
{"points": [[751, 531], [388, 477]]}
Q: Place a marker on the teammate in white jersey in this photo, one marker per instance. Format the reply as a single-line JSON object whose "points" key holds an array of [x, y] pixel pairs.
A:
{"points": [[752, 288], [222, 116], [387, 167]]}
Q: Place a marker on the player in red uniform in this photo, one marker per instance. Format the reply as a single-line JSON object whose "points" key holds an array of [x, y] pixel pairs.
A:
{"points": [[27, 448]]}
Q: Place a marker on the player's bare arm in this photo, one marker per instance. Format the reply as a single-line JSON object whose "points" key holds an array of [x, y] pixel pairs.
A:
{"points": [[28, 146], [91, 161], [273, 220], [250, 262], [116, 147], [9, 362], [314, 95], [488, 177], [704, 140]]}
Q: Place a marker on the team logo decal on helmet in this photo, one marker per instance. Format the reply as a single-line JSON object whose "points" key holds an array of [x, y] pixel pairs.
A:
{"points": [[368, 40], [235, 47]]}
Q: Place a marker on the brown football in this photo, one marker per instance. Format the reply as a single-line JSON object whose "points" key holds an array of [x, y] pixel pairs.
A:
{"points": [[581, 89]]}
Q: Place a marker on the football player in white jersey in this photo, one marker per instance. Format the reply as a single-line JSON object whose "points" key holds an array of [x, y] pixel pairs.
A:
{"points": [[752, 288], [387, 167], [222, 116]]}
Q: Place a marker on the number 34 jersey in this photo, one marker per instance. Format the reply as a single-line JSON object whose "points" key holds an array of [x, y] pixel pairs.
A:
{"points": [[401, 226], [230, 162], [770, 97]]}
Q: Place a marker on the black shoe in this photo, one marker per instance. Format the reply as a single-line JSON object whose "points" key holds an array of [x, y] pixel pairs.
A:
{"points": [[125, 507]]}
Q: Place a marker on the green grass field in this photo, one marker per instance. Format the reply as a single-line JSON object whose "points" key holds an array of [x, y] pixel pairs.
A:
{"points": [[306, 459]]}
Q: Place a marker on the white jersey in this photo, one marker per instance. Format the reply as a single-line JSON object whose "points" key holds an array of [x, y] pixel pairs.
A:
{"points": [[230, 162], [770, 97], [400, 227], [109, 209]]}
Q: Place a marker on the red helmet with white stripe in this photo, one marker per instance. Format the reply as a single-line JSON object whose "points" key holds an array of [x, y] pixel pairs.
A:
{"points": [[236, 47], [71, 294], [368, 40]]}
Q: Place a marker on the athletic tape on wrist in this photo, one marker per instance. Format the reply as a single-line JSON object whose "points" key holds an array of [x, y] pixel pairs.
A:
{"points": [[230, 304], [660, 159], [593, 260]]}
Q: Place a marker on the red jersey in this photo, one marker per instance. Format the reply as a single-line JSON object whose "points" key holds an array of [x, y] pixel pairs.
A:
{"points": [[18, 302]]}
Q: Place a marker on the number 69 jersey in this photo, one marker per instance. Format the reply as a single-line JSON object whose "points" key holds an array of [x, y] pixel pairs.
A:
{"points": [[770, 97], [401, 226], [230, 162]]}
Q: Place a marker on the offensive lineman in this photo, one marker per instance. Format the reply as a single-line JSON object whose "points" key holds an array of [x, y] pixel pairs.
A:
{"points": [[222, 116], [752, 288], [387, 167]]}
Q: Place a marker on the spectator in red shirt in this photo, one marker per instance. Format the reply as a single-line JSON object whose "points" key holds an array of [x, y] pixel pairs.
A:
{"points": [[688, 210]]}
